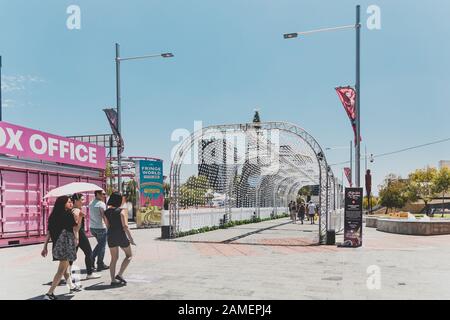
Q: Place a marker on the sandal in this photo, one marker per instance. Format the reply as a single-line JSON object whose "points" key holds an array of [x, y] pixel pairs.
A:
{"points": [[50, 296], [115, 284], [122, 280]]}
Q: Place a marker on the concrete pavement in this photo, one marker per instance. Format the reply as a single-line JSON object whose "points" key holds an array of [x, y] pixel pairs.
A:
{"points": [[269, 260]]}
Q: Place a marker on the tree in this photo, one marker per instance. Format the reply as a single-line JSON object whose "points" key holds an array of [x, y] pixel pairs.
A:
{"points": [[305, 192], [194, 191], [420, 186], [166, 188], [131, 194], [441, 184], [393, 192], [109, 176], [256, 118], [373, 201]]}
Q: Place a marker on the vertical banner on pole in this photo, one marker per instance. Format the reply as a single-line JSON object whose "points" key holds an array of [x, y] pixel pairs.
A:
{"points": [[353, 222], [151, 192], [113, 119], [348, 97], [348, 175]]}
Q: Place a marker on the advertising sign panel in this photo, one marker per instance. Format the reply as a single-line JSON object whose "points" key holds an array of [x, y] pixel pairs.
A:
{"points": [[151, 192], [353, 223]]}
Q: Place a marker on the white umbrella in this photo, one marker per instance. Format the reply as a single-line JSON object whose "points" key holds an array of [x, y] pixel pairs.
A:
{"points": [[71, 188]]}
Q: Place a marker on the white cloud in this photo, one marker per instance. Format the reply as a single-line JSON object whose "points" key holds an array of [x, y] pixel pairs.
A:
{"points": [[13, 103], [18, 83], [8, 103]]}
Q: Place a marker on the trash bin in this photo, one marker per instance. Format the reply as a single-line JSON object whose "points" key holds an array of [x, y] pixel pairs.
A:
{"points": [[166, 232], [331, 237]]}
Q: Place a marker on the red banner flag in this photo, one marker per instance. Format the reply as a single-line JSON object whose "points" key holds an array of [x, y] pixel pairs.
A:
{"points": [[348, 174], [111, 114], [347, 95]]}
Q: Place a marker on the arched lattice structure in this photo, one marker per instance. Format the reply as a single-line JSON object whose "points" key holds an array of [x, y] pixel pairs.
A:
{"points": [[240, 171]]}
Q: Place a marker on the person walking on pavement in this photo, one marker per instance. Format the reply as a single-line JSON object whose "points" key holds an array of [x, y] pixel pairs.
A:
{"points": [[119, 235], [84, 245], [97, 209], [63, 231], [291, 210], [294, 211], [311, 211], [301, 212]]}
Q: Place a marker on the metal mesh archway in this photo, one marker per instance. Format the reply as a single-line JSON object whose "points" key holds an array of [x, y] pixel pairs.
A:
{"points": [[238, 171]]}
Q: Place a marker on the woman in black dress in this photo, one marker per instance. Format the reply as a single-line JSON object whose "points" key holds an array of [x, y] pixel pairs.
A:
{"points": [[118, 236], [63, 233], [83, 244]]}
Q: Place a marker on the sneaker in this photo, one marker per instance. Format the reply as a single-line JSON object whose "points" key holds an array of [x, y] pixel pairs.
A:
{"points": [[50, 296], [93, 275], [75, 288]]}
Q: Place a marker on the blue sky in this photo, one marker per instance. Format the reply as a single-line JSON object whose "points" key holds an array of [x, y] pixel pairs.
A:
{"points": [[230, 59]]}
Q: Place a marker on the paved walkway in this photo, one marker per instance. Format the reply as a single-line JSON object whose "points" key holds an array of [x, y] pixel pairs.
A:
{"points": [[269, 260]]}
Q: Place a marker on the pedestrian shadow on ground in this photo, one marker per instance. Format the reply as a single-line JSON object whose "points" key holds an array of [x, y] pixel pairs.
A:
{"points": [[60, 297], [102, 286], [63, 282]]}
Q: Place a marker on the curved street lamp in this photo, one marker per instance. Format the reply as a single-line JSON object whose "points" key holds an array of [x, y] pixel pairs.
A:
{"points": [[357, 28], [118, 60]]}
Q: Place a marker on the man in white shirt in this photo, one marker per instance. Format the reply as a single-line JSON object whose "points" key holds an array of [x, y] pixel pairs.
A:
{"points": [[311, 211], [98, 228]]}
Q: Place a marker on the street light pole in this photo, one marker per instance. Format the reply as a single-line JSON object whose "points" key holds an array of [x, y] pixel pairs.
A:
{"points": [[365, 157], [119, 118], [119, 147], [358, 97], [351, 163], [357, 27]]}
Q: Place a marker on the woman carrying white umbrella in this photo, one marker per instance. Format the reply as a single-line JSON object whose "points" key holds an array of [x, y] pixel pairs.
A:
{"points": [[63, 232], [59, 225]]}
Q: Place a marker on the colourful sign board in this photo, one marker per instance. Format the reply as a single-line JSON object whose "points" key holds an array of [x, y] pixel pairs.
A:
{"points": [[151, 191], [33, 144], [353, 223]]}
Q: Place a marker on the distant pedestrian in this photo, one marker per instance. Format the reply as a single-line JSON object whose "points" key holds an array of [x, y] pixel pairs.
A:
{"points": [[311, 211], [301, 212], [98, 229], [119, 235], [292, 210], [83, 244], [63, 232]]}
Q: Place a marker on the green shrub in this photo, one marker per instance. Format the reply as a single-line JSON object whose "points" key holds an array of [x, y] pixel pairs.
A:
{"points": [[229, 225]]}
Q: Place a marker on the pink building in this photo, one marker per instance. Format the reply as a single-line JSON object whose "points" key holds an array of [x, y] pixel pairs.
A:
{"points": [[24, 181]]}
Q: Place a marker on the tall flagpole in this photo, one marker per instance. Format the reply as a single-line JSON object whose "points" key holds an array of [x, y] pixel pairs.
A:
{"points": [[119, 120], [358, 96], [351, 163]]}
